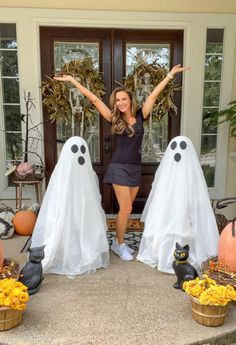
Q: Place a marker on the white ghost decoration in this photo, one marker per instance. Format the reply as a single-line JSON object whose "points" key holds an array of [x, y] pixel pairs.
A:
{"points": [[71, 222], [178, 209]]}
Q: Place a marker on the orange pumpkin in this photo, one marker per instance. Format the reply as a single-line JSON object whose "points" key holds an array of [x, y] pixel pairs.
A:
{"points": [[1, 254], [227, 246], [24, 222]]}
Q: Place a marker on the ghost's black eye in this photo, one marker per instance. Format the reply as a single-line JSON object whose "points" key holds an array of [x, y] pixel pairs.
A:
{"points": [[183, 145], [81, 160], [82, 149], [74, 148], [173, 145], [177, 157]]}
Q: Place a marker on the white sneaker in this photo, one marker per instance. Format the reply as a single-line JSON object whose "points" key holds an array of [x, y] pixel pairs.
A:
{"points": [[130, 250], [122, 251]]}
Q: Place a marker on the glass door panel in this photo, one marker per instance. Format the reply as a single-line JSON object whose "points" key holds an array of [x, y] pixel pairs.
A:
{"points": [[155, 133], [64, 53]]}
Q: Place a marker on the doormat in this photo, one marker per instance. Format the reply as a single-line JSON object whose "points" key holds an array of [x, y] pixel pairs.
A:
{"points": [[132, 238], [133, 224]]}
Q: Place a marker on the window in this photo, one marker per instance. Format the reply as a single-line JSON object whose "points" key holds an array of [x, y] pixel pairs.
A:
{"points": [[9, 91], [211, 98]]}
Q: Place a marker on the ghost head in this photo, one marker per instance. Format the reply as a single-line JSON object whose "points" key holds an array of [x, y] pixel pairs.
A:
{"points": [[75, 148], [74, 154], [174, 146]]}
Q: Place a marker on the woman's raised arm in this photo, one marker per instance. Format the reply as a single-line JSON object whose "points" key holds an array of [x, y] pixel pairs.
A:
{"points": [[98, 103], [151, 99]]}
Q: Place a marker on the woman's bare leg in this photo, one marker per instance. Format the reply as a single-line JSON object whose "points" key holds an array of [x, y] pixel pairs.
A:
{"points": [[133, 193], [125, 196]]}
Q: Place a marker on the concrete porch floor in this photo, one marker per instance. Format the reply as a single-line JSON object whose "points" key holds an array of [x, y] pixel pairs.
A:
{"points": [[128, 303]]}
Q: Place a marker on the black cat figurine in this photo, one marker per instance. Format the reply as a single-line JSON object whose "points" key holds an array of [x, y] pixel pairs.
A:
{"points": [[31, 274], [183, 270]]}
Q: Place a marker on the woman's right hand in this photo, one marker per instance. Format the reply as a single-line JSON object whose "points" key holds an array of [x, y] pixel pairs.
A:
{"points": [[66, 78], [98, 103]]}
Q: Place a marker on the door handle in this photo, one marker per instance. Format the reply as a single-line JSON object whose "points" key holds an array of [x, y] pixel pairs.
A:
{"points": [[107, 146]]}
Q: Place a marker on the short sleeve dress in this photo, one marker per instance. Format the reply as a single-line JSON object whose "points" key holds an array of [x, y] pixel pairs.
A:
{"points": [[125, 168]]}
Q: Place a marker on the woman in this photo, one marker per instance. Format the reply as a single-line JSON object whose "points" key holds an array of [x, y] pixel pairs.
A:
{"points": [[124, 172]]}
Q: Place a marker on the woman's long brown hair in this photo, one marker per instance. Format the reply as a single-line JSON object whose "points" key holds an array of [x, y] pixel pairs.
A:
{"points": [[119, 125]]}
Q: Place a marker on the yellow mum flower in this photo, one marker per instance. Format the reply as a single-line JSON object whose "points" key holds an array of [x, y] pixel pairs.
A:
{"points": [[20, 307], [13, 294], [24, 297], [209, 292], [16, 292]]}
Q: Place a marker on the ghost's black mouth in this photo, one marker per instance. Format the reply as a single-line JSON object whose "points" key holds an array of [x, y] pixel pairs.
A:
{"points": [[177, 157]]}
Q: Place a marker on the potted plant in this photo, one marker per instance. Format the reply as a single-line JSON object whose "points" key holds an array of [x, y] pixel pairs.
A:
{"points": [[13, 294], [226, 115], [209, 300], [13, 298]]}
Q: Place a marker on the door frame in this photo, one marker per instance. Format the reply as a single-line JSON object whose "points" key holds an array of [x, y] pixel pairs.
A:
{"points": [[111, 51]]}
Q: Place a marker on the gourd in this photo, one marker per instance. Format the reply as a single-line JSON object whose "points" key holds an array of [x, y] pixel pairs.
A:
{"points": [[6, 226], [227, 247], [24, 222]]}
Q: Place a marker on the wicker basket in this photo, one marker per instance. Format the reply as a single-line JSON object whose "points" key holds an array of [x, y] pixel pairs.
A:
{"points": [[9, 318], [208, 315]]}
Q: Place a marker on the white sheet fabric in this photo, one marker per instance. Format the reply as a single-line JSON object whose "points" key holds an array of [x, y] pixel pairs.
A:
{"points": [[178, 209], [71, 222]]}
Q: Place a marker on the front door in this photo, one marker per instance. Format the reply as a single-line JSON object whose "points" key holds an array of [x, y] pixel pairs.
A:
{"points": [[114, 52]]}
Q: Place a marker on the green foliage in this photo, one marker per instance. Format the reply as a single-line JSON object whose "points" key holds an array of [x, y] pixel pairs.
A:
{"points": [[226, 115], [56, 94]]}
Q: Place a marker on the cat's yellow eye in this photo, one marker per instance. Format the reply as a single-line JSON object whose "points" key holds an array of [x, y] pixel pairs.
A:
{"points": [[182, 255]]}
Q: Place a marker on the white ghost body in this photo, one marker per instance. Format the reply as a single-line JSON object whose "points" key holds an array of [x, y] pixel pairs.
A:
{"points": [[178, 209], [71, 222]]}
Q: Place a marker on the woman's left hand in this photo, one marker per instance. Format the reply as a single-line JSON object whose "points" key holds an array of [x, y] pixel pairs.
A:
{"points": [[177, 69]]}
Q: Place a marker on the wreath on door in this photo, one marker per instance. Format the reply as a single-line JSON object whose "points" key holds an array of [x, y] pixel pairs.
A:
{"points": [[143, 79], [57, 95]]}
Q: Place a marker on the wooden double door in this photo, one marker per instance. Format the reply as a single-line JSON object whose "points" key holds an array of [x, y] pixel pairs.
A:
{"points": [[114, 53]]}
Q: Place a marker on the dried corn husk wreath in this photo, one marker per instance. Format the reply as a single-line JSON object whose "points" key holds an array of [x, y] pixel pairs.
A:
{"points": [[56, 94], [157, 73]]}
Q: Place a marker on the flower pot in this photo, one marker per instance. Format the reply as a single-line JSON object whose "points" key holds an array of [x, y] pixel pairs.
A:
{"points": [[9, 318], [208, 315]]}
